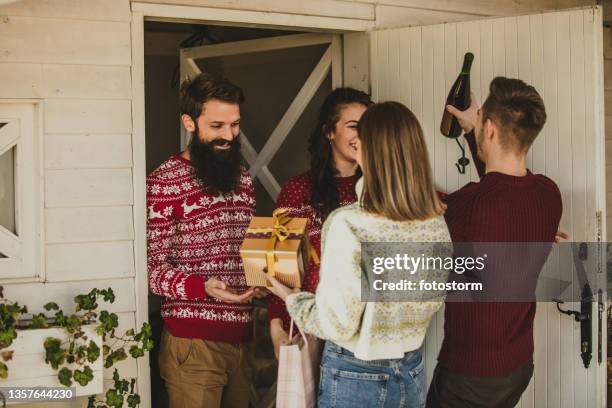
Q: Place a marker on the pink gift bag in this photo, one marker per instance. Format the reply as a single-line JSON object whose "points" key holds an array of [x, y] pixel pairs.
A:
{"points": [[298, 371]]}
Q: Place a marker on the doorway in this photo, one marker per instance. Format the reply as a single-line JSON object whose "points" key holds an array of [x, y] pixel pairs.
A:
{"points": [[284, 87]]}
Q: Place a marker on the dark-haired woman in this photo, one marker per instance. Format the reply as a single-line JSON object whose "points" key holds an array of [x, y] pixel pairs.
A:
{"points": [[329, 184]]}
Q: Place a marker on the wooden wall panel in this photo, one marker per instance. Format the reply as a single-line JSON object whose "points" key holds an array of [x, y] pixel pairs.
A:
{"points": [[87, 187], [88, 116], [97, 151], [104, 10], [29, 39], [82, 261], [89, 224]]}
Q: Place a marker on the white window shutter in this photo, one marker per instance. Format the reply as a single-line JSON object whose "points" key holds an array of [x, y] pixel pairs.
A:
{"points": [[20, 240]]}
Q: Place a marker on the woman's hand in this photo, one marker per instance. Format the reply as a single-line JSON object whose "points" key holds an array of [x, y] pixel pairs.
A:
{"points": [[279, 289], [278, 334]]}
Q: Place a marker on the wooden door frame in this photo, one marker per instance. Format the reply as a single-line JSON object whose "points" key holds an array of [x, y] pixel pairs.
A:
{"points": [[186, 14]]}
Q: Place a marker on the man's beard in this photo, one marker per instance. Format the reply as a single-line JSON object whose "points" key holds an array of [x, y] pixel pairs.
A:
{"points": [[217, 170]]}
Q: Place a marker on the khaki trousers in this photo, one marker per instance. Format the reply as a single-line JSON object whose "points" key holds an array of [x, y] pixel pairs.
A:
{"points": [[205, 374]]}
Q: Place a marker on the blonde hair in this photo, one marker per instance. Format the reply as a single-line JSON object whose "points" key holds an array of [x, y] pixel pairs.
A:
{"points": [[397, 180]]}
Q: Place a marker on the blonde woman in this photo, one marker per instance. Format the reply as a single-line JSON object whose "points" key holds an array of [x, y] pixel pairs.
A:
{"points": [[372, 357]]}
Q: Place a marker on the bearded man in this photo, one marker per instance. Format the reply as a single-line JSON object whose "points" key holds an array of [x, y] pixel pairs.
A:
{"points": [[199, 204]]}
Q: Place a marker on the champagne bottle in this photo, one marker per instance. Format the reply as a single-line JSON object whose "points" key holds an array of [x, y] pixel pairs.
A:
{"points": [[459, 97]]}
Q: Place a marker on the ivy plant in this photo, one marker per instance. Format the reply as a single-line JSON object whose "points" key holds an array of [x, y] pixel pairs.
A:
{"points": [[81, 351], [10, 312], [73, 355]]}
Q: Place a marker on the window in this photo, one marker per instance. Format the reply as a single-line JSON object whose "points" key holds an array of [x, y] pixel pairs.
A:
{"points": [[20, 198]]}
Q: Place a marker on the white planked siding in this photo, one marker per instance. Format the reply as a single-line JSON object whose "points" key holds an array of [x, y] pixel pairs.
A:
{"points": [[86, 81], [58, 41], [87, 187], [555, 52], [87, 116], [87, 151], [81, 261], [89, 224], [106, 10]]}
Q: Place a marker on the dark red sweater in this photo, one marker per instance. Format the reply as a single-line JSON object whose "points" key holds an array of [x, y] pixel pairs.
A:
{"points": [[490, 339]]}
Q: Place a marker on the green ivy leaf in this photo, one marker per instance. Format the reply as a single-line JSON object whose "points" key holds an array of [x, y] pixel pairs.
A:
{"points": [[73, 324], [118, 355], [60, 319], [54, 354], [108, 294], [122, 386], [113, 399], [65, 376], [108, 321], [93, 352], [3, 371], [108, 361], [83, 377], [86, 302], [114, 357], [147, 330], [39, 321], [148, 345], [7, 336], [136, 351], [51, 306], [133, 400]]}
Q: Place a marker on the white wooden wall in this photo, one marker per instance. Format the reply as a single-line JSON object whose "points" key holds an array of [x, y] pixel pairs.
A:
{"points": [[560, 53], [75, 56]]}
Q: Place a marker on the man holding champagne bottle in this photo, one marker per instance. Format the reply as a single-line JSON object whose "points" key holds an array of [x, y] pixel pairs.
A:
{"points": [[486, 359]]}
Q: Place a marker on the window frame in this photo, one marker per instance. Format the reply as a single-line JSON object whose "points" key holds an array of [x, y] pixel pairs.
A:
{"points": [[25, 260]]}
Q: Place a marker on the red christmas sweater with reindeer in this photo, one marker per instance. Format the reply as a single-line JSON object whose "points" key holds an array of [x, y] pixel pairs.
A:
{"points": [[194, 235]]}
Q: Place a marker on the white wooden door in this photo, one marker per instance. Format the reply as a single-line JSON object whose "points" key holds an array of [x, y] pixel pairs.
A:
{"points": [[560, 53]]}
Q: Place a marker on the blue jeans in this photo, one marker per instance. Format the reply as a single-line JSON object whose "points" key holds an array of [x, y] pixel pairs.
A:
{"points": [[347, 381]]}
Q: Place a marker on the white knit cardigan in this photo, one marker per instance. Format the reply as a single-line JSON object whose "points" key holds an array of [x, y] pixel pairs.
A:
{"points": [[371, 330]]}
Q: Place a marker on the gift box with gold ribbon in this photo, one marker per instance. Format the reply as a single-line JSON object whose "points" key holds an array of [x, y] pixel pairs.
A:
{"points": [[277, 246]]}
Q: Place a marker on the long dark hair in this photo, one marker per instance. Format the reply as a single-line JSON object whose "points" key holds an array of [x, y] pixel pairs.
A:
{"points": [[324, 196]]}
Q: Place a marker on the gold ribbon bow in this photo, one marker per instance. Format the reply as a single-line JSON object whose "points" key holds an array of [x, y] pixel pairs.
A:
{"points": [[278, 233]]}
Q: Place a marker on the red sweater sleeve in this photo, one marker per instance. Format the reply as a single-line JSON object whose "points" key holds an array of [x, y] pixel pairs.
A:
{"points": [[292, 197], [164, 279]]}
